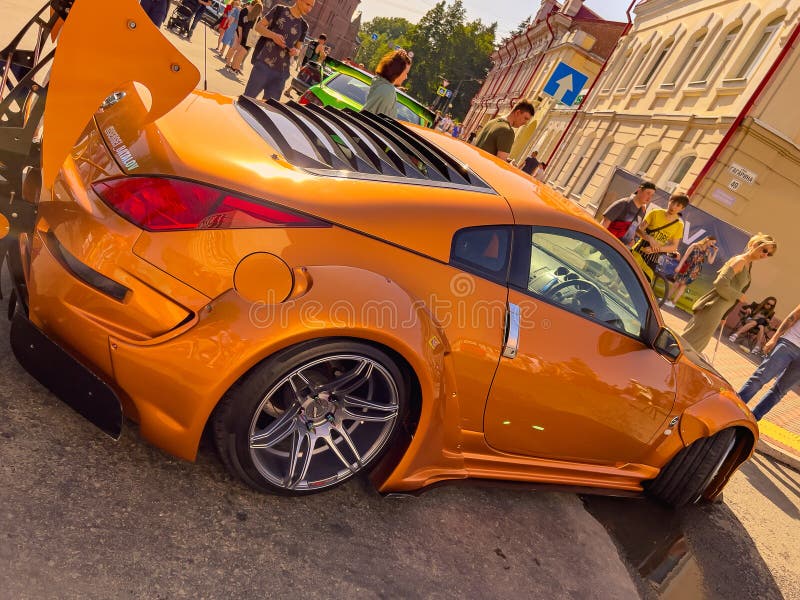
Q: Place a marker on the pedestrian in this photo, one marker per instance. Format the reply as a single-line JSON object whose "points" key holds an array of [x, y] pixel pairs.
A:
{"points": [[497, 136], [157, 10], [314, 49], [392, 71], [225, 12], [732, 281], [660, 232], [229, 38], [623, 216], [198, 7], [529, 164], [757, 314], [247, 18], [690, 265], [456, 131], [538, 172], [283, 30], [446, 124], [782, 363]]}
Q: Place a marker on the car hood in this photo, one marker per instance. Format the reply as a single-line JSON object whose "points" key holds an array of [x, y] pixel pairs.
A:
{"points": [[697, 359]]}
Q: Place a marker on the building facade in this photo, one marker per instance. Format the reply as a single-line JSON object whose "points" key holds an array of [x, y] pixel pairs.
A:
{"points": [[698, 97], [572, 34], [339, 20]]}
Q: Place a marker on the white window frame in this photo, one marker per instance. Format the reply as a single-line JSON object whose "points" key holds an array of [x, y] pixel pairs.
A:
{"points": [[760, 48], [708, 67], [691, 158], [659, 60], [628, 153], [685, 62], [631, 73], [601, 156], [650, 156]]}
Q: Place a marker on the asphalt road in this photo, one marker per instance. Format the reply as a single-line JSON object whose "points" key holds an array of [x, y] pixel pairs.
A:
{"points": [[82, 516]]}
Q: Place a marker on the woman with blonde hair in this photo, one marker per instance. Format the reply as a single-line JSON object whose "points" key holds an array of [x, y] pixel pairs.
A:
{"points": [[732, 281], [392, 71]]}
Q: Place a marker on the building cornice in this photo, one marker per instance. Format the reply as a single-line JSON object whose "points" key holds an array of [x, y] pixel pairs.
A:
{"points": [[704, 121], [771, 136]]}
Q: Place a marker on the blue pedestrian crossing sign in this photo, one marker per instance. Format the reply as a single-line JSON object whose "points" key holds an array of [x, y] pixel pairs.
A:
{"points": [[565, 83]]}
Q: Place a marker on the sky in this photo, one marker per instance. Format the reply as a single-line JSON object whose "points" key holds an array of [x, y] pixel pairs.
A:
{"points": [[507, 13]]}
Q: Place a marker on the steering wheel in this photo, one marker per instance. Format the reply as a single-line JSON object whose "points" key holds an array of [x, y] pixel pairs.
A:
{"points": [[578, 284], [586, 298]]}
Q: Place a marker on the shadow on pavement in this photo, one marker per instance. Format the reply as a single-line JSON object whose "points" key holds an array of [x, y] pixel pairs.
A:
{"points": [[696, 552], [756, 470]]}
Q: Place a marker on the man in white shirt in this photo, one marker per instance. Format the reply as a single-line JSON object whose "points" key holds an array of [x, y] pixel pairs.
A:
{"points": [[782, 362]]}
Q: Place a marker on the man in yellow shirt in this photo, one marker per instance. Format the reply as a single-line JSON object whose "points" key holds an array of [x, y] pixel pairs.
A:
{"points": [[662, 230]]}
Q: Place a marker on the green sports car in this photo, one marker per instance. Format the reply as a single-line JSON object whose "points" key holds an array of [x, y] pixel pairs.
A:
{"points": [[347, 87]]}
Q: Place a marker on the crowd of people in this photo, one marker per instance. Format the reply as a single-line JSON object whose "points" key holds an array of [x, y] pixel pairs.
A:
{"points": [[656, 234]]}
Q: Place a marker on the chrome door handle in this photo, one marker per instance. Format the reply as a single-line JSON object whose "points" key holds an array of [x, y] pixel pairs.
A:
{"points": [[511, 342]]}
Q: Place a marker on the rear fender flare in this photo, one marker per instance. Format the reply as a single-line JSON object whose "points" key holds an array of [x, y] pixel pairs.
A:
{"points": [[227, 341], [376, 310]]}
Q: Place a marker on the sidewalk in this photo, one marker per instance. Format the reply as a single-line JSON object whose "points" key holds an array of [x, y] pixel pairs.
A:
{"points": [[780, 428]]}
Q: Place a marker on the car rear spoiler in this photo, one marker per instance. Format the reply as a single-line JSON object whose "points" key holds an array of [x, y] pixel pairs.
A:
{"points": [[58, 70]]}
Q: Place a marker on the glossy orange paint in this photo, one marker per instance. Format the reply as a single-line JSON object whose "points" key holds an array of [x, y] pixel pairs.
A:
{"points": [[167, 74], [205, 306]]}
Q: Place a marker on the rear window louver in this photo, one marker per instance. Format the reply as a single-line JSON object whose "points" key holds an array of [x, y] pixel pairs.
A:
{"points": [[346, 143]]}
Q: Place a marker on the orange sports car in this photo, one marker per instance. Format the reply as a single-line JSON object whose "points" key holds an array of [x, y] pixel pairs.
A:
{"points": [[329, 293]]}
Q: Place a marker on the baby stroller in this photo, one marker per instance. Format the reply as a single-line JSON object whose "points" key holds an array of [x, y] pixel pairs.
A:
{"points": [[180, 19]]}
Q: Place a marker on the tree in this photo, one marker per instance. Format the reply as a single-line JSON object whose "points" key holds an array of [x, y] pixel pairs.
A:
{"points": [[446, 46], [521, 28], [391, 32]]}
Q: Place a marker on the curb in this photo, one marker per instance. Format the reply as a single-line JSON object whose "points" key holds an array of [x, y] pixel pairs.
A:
{"points": [[779, 454]]}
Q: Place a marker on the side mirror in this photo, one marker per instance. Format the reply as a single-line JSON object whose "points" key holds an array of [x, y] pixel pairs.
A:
{"points": [[666, 344]]}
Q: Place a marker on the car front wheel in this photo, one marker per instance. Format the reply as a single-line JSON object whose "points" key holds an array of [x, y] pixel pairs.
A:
{"points": [[311, 417], [684, 479]]}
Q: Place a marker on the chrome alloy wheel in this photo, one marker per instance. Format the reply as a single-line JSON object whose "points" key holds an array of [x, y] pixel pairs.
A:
{"points": [[323, 422]]}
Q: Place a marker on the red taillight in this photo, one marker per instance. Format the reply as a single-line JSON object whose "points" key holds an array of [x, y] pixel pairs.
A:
{"points": [[160, 204], [310, 98]]}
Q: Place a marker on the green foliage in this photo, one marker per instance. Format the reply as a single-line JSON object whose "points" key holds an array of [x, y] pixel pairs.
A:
{"points": [[391, 32], [444, 44], [521, 28]]}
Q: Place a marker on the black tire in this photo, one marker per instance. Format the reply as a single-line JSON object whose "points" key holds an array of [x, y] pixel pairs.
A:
{"points": [[344, 400], [689, 473]]}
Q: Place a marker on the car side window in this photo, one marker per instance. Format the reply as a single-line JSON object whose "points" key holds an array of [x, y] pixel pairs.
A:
{"points": [[353, 88], [483, 251], [406, 114], [586, 276]]}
